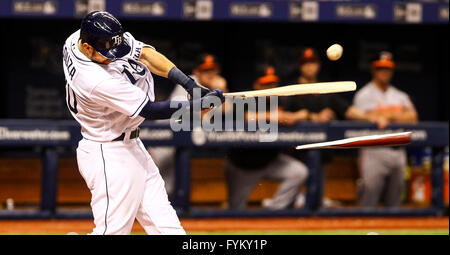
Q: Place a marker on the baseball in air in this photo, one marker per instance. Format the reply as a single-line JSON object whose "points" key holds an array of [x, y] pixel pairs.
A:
{"points": [[334, 52]]}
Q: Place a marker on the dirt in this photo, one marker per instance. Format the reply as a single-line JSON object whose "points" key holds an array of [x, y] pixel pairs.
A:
{"points": [[86, 226]]}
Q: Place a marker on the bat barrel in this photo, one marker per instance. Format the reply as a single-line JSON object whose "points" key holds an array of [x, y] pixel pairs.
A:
{"points": [[396, 140]]}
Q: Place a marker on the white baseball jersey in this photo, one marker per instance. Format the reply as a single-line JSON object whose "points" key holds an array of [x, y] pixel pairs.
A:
{"points": [[372, 98], [106, 99]]}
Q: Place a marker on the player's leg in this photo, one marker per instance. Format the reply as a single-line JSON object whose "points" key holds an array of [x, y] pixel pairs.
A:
{"points": [[396, 179], [240, 184], [155, 213], [292, 173], [374, 172], [115, 177]]}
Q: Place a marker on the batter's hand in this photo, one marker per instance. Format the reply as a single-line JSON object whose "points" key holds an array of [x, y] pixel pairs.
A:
{"points": [[217, 93]]}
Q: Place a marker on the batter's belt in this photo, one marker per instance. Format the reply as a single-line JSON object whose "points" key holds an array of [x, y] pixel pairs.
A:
{"points": [[133, 134]]}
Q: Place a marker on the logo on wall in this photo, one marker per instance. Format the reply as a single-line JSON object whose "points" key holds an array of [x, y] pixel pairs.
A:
{"points": [[156, 8], [83, 7], [199, 9], [261, 10], [307, 11], [356, 11], [35, 7], [408, 12]]}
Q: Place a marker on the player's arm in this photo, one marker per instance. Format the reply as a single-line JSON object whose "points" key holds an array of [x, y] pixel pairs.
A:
{"points": [[405, 116], [165, 109], [290, 118], [354, 113], [359, 111], [325, 115], [158, 64], [130, 100]]}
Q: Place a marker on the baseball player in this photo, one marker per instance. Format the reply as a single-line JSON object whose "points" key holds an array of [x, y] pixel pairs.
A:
{"points": [[382, 169], [109, 91]]}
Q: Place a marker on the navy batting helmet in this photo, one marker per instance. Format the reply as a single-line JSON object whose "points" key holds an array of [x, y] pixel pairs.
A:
{"points": [[104, 33]]}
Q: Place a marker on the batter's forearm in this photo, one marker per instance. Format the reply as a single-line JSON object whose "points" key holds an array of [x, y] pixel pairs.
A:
{"points": [[160, 65], [156, 62]]}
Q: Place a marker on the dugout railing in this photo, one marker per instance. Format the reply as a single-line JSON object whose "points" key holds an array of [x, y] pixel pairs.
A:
{"points": [[52, 135]]}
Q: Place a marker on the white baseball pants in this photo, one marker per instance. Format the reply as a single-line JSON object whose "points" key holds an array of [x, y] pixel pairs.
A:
{"points": [[125, 185]]}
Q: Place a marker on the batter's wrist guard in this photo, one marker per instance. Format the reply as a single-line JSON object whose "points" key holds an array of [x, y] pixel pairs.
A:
{"points": [[177, 76]]}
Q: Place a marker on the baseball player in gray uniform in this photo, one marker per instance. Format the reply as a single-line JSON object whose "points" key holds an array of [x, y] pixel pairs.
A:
{"points": [[109, 91], [382, 169]]}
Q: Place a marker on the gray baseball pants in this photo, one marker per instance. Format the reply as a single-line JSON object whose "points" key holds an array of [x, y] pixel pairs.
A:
{"points": [[382, 171], [291, 172]]}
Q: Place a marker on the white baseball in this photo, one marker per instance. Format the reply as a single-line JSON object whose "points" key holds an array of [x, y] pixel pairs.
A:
{"points": [[334, 52]]}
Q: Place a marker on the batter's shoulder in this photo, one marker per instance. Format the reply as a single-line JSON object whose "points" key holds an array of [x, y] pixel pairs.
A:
{"points": [[87, 81]]}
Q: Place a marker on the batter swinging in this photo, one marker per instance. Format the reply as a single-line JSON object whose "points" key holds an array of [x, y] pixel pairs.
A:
{"points": [[109, 91]]}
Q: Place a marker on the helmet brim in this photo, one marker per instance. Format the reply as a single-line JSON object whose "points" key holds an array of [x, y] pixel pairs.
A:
{"points": [[117, 52]]}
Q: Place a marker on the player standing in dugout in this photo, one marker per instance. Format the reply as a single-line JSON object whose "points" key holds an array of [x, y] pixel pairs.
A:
{"points": [[110, 93]]}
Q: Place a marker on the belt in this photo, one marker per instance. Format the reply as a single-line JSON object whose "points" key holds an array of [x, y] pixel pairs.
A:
{"points": [[133, 134]]}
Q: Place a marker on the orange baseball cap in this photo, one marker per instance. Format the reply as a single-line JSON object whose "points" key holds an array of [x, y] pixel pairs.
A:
{"points": [[384, 61], [269, 77], [207, 62], [308, 55]]}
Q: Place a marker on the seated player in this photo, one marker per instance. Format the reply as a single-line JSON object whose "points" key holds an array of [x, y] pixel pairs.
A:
{"points": [[246, 167], [382, 169]]}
